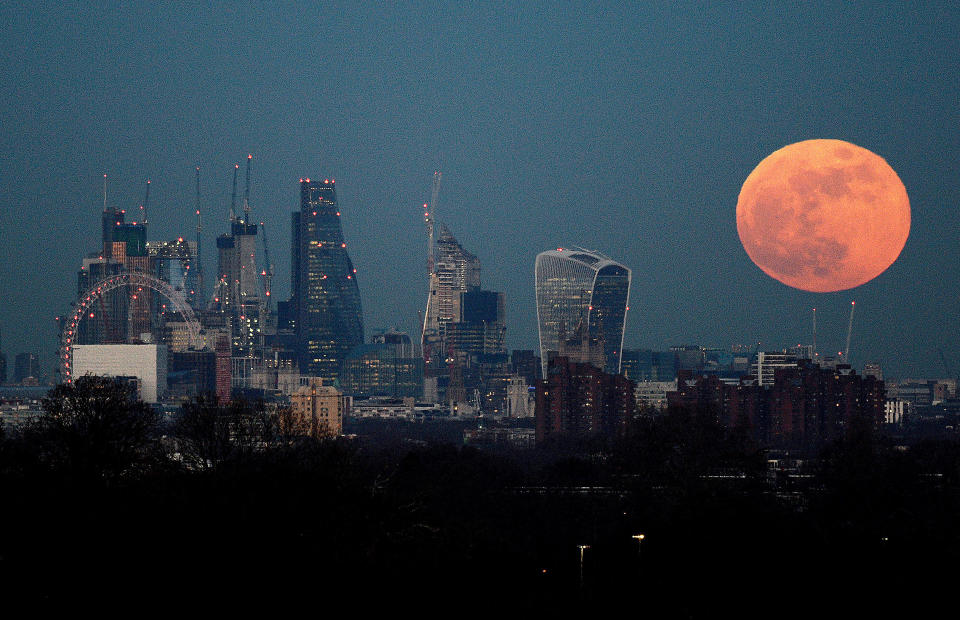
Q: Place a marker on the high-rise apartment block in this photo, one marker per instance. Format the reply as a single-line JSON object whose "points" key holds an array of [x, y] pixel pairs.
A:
{"points": [[579, 400], [801, 406]]}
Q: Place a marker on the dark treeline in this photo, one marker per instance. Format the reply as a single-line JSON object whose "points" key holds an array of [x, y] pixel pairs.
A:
{"points": [[233, 507]]}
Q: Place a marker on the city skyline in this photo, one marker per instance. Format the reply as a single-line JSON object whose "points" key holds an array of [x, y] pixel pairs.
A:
{"points": [[628, 129]]}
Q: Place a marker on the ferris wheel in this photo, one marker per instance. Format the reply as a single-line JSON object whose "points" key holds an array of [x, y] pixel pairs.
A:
{"points": [[133, 280]]}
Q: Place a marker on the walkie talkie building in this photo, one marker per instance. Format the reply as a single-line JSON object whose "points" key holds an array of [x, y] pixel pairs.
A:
{"points": [[582, 296]]}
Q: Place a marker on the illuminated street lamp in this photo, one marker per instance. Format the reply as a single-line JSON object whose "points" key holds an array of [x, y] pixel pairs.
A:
{"points": [[582, 549], [639, 538]]}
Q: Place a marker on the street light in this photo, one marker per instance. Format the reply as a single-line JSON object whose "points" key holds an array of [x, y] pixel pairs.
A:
{"points": [[582, 549], [639, 538]]}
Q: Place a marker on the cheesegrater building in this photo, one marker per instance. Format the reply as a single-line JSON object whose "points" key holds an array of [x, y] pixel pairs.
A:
{"points": [[582, 299], [329, 319]]}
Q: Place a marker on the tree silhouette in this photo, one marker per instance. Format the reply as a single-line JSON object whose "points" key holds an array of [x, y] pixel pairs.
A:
{"points": [[208, 434], [96, 429]]}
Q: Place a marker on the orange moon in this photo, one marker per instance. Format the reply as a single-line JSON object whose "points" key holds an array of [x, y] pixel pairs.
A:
{"points": [[823, 215]]}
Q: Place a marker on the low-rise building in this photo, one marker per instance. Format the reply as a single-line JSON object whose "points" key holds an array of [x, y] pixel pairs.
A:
{"points": [[319, 407]]}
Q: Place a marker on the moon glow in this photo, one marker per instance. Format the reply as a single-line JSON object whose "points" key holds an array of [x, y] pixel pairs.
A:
{"points": [[823, 215]]}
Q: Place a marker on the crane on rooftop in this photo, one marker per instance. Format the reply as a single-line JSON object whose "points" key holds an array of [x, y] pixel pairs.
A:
{"points": [[246, 193], [267, 273], [198, 294], [846, 351], [146, 203], [428, 218], [233, 196]]}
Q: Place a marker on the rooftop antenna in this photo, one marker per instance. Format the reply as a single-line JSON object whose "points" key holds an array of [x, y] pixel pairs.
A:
{"points": [[233, 197], [846, 352], [246, 193], [104, 192]]}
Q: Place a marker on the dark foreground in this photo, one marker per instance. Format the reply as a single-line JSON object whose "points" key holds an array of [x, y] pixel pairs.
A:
{"points": [[332, 525]]}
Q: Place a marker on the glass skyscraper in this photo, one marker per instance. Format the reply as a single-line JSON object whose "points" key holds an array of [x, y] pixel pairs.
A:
{"points": [[329, 318], [582, 299]]}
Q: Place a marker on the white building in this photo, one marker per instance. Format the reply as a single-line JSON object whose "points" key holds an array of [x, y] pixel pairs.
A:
{"points": [[894, 410], [146, 362], [654, 393], [520, 401], [767, 362]]}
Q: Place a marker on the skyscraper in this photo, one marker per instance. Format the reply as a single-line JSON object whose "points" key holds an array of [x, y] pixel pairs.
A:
{"points": [[455, 271], [120, 315], [582, 299], [329, 319], [238, 293], [236, 265], [175, 262]]}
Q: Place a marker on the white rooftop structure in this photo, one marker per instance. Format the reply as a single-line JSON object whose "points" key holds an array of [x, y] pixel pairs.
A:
{"points": [[146, 362]]}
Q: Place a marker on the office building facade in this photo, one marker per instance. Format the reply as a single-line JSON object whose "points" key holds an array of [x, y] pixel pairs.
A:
{"points": [[391, 366], [582, 299], [329, 317], [454, 271]]}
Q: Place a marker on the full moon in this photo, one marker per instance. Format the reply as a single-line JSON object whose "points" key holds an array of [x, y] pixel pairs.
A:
{"points": [[823, 215]]}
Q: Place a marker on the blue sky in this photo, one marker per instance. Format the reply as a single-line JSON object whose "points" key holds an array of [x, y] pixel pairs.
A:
{"points": [[626, 128]]}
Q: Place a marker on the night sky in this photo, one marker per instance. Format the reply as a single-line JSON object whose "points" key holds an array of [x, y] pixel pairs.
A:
{"points": [[625, 129]]}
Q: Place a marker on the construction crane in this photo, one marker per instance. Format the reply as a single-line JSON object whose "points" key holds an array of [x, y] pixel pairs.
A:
{"points": [[233, 196], [246, 193], [428, 218], [267, 273], [814, 333], [146, 203], [427, 208], [846, 351], [943, 360], [198, 294]]}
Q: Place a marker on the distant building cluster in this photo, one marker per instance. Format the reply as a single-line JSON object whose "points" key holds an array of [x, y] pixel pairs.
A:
{"points": [[146, 312], [580, 399], [798, 406]]}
